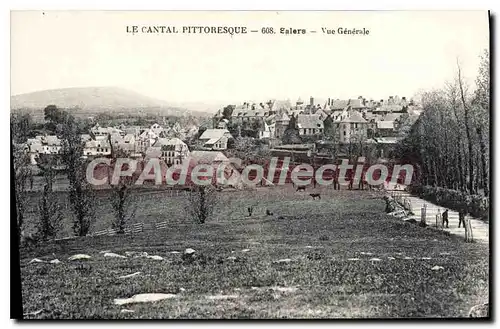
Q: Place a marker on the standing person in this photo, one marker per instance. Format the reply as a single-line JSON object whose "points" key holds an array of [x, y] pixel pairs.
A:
{"points": [[445, 218], [461, 216]]}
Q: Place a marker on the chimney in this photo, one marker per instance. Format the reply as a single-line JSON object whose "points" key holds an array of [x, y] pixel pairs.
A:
{"points": [[328, 101], [311, 101]]}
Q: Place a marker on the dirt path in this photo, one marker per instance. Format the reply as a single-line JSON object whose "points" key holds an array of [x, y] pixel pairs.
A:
{"points": [[480, 229]]}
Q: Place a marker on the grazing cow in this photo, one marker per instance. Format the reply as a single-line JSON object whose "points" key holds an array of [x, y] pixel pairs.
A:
{"points": [[250, 211], [301, 188], [315, 195], [268, 213]]}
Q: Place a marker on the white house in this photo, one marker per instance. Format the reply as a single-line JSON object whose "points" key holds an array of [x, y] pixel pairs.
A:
{"points": [[268, 130], [97, 147], [173, 150], [215, 139]]}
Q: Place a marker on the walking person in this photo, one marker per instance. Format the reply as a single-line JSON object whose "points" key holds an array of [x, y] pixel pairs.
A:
{"points": [[445, 218]]}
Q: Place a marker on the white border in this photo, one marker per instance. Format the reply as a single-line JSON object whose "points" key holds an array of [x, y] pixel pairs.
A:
{"points": [[193, 5]]}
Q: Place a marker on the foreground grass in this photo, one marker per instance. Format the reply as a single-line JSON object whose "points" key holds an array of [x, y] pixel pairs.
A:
{"points": [[319, 281]]}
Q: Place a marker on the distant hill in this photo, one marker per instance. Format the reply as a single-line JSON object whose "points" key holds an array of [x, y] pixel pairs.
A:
{"points": [[97, 99]]}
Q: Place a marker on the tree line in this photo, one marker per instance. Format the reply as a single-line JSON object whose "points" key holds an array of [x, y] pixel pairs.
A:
{"points": [[449, 143], [80, 194]]}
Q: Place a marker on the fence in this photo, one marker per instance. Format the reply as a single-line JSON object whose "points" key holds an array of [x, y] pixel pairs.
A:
{"points": [[132, 229], [403, 201]]}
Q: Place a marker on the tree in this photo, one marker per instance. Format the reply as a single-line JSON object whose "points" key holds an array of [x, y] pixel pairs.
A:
{"points": [[227, 112], [467, 119], [448, 142], [50, 213], [328, 128], [201, 202], [81, 194], [22, 177], [21, 126], [55, 115], [482, 101], [121, 192]]}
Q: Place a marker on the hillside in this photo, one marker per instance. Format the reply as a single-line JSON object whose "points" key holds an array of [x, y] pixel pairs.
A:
{"points": [[96, 99]]}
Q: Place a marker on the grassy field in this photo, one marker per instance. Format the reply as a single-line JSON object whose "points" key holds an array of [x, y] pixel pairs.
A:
{"points": [[319, 279]]}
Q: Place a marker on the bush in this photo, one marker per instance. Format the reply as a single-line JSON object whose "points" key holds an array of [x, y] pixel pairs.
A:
{"points": [[201, 202], [476, 205]]}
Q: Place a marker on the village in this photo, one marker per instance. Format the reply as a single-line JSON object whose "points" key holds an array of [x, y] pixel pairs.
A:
{"points": [[325, 132]]}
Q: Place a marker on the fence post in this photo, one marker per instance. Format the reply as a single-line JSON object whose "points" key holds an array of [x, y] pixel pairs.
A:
{"points": [[423, 214], [468, 231], [439, 223]]}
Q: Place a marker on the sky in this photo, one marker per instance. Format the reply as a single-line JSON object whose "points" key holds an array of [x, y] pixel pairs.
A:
{"points": [[404, 53]]}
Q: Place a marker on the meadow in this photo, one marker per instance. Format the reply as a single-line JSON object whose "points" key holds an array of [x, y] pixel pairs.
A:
{"points": [[338, 257]]}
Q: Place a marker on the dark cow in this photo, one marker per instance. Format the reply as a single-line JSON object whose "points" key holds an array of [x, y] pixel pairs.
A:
{"points": [[315, 195]]}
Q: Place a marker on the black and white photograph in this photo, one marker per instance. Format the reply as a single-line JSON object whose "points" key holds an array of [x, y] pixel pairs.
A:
{"points": [[250, 164]]}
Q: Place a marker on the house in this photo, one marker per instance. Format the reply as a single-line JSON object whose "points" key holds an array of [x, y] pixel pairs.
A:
{"points": [[385, 128], [126, 143], [386, 145], [215, 139], [98, 132], [392, 116], [102, 133], [279, 105], [351, 127], [172, 150], [97, 147], [145, 140], [132, 130], [222, 124], [388, 108], [322, 114], [267, 130], [45, 144], [249, 111], [208, 157], [309, 125], [339, 104], [156, 129]]}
